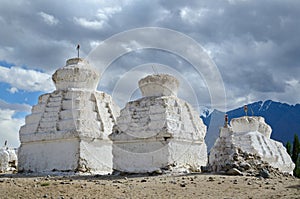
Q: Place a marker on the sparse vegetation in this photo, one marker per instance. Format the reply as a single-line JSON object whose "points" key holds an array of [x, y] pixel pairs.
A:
{"points": [[44, 184], [294, 152]]}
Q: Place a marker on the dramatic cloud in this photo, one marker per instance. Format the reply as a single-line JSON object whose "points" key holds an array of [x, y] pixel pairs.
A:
{"points": [[28, 80], [255, 44]]}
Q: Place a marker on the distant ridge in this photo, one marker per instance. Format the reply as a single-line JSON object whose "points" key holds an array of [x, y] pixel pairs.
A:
{"points": [[283, 118]]}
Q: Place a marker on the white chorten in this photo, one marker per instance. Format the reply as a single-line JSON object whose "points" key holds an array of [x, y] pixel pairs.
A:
{"points": [[158, 131], [246, 145], [68, 129], [8, 159]]}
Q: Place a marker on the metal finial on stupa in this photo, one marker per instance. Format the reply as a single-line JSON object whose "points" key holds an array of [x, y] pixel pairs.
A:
{"points": [[78, 48], [225, 121], [246, 110]]}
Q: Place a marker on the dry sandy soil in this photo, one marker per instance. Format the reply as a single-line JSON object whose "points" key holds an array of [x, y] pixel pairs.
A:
{"points": [[137, 186]]}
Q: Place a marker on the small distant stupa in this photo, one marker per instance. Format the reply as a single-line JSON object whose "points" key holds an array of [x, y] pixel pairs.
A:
{"points": [[68, 129], [245, 145], [159, 131], [8, 159]]}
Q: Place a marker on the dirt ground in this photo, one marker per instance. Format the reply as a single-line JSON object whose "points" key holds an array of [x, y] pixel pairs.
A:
{"points": [[141, 186]]}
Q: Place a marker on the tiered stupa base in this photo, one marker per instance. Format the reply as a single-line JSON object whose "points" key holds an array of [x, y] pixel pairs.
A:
{"points": [[158, 133], [68, 128]]}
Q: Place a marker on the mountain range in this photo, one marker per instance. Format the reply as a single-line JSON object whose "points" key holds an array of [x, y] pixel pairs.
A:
{"points": [[283, 118]]}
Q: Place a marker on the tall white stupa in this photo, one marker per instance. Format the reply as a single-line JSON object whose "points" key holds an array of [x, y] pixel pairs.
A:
{"points": [[68, 129], [159, 131]]}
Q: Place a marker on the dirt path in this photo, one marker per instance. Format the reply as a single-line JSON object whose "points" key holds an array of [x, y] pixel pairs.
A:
{"points": [[180, 186]]}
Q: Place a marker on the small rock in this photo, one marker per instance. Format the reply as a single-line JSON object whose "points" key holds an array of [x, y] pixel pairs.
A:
{"points": [[211, 179], [45, 196], [235, 157], [264, 173], [158, 171], [249, 183], [144, 180], [206, 169], [235, 182], [182, 184], [234, 171], [245, 165], [172, 182]]}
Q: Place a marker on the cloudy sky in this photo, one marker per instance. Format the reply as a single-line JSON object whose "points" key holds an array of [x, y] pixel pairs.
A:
{"points": [[255, 46]]}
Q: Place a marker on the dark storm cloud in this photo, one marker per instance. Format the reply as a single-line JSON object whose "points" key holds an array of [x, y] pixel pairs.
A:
{"points": [[255, 44]]}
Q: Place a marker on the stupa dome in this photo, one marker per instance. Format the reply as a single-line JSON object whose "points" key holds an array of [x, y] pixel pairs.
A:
{"points": [[159, 85], [77, 74]]}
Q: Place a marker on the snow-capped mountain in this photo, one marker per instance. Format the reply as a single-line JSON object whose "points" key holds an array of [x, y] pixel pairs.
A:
{"points": [[283, 118]]}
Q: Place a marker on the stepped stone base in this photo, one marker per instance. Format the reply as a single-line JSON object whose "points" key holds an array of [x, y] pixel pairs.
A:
{"points": [[158, 133], [68, 131]]}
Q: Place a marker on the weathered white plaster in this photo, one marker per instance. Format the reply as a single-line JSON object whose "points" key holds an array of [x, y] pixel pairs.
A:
{"points": [[159, 85], [8, 159], [76, 74], [68, 128], [250, 135], [249, 124], [158, 131], [4, 158]]}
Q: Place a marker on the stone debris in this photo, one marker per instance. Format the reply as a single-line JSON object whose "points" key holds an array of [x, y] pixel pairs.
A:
{"points": [[159, 132], [234, 171], [68, 129], [245, 147]]}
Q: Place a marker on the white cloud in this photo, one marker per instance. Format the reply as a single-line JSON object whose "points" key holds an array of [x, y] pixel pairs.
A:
{"points": [[107, 12], [48, 19], [193, 16], [100, 19], [15, 107], [9, 127], [90, 24], [13, 90], [28, 80]]}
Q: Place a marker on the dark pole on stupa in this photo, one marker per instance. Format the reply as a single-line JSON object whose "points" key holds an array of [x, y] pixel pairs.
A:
{"points": [[246, 109], [226, 121], [78, 47]]}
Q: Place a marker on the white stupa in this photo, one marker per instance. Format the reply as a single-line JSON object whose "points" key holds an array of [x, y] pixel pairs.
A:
{"points": [[246, 145], [8, 159], [68, 129], [159, 131]]}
